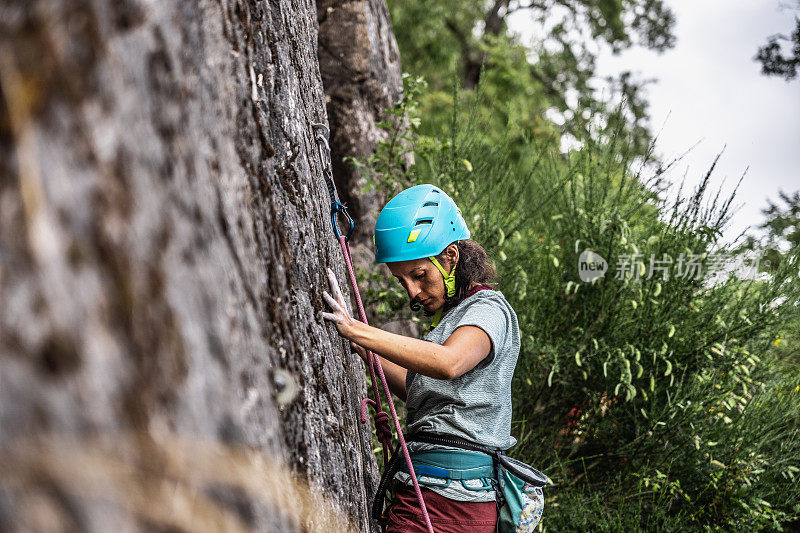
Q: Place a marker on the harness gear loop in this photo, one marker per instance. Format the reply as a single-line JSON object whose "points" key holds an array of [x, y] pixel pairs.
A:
{"points": [[321, 134], [381, 417]]}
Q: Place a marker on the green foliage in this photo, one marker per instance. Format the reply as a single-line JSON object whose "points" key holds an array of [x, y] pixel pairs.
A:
{"points": [[781, 232], [545, 87], [774, 58], [654, 399], [620, 505], [388, 169]]}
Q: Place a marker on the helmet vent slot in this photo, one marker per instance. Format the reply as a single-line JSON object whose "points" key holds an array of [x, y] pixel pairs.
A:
{"points": [[423, 221], [426, 204]]}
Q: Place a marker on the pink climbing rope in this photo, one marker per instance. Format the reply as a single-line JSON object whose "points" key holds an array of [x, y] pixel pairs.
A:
{"points": [[381, 418]]}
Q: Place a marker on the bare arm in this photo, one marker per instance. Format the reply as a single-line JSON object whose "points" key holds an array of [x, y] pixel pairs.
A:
{"points": [[465, 348]]}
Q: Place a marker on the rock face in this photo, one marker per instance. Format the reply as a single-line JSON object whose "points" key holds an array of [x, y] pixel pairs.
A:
{"points": [[163, 237], [360, 66]]}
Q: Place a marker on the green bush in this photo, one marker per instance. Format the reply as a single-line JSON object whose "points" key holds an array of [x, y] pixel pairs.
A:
{"points": [[653, 400]]}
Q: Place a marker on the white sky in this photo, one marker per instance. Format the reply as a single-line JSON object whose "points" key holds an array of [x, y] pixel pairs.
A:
{"points": [[713, 92]]}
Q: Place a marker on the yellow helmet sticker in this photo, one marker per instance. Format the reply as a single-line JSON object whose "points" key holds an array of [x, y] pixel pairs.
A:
{"points": [[413, 235]]}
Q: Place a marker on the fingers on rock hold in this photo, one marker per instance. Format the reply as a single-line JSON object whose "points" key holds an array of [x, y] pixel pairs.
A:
{"points": [[337, 291], [331, 302], [330, 316], [332, 278]]}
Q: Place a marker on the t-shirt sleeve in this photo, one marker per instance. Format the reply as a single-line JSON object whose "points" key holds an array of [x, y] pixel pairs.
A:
{"points": [[491, 317]]}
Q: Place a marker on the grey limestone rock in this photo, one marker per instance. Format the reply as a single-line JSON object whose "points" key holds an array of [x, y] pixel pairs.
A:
{"points": [[163, 237]]}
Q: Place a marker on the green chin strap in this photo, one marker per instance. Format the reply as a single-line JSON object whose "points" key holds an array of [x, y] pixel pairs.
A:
{"points": [[449, 285]]}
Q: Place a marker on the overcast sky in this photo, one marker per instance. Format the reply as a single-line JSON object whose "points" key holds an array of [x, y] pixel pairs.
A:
{"points": [[713, 92]]}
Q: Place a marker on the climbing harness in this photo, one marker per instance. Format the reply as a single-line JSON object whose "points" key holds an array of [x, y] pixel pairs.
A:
{"points": [[382, 428], [518, 486]]}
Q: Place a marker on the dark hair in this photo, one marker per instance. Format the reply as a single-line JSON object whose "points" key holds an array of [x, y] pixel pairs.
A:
{"points": [[473, 266]]}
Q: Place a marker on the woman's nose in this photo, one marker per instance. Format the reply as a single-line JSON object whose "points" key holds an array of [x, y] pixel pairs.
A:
{"points": [[413, 291]]}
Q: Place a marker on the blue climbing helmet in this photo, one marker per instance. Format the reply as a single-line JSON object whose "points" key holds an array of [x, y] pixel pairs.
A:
{"points": [[421, 221]]}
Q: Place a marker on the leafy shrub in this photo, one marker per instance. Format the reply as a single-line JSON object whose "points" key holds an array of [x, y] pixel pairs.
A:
{"points": [[652, 396]]}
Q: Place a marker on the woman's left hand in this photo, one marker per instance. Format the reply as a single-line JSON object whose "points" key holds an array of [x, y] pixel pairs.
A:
{"points": [[340, 316]]}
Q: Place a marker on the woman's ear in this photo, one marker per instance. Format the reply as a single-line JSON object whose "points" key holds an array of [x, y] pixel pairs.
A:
{"points": [[452, 254]]}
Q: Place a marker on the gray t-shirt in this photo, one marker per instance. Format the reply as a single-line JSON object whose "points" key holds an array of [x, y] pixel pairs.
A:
{"points": [[475, 406]]}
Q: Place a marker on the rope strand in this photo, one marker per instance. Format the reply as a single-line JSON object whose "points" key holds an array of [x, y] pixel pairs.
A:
{"points": [[375, 362], [382, 427]]}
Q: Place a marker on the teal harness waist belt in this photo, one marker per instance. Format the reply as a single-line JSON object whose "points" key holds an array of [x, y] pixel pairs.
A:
{"points": [[448, 465]]}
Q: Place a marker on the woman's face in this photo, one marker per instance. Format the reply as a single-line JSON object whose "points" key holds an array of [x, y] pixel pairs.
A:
{"points": [[422, 280]]}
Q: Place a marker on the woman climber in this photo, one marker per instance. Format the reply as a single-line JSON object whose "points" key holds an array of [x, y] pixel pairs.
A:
{"points": [[457, 382]]}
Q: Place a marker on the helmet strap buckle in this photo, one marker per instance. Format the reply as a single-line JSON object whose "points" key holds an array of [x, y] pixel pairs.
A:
{"points": [[449, 279]]}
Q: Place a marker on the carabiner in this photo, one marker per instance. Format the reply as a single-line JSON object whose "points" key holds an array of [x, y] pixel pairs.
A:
{"points": [[336, 208]]}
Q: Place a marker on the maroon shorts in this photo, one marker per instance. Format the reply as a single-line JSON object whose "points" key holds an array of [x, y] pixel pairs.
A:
{"points": [[447, 516]]}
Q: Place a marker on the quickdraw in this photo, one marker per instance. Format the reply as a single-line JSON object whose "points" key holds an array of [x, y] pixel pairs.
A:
{"points": [[382, 428], [322, 133]]}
